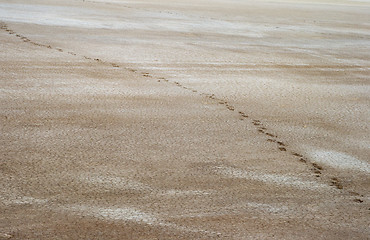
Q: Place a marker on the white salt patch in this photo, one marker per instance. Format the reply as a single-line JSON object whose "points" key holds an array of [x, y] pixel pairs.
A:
{"points": [[5, 236], [185, 193], [268, 207], [114, 183], [133, 20], [270, 178], [340, 160], [24, 200], [125, 214]]}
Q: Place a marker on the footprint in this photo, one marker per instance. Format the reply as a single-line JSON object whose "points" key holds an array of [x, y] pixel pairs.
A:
{"points": [[355, 194], [297, 154], [256, 122], [270, 135], [283, 149], [146, 75], [358, 200], [231, 108], [241, 113], [315, 165], [335, 182]]}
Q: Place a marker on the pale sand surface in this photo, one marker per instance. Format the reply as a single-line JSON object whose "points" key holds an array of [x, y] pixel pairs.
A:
{"points": [[184, 119]]}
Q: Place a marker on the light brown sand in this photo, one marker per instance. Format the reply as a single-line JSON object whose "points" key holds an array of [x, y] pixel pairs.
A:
{"points": [[184, 119]]}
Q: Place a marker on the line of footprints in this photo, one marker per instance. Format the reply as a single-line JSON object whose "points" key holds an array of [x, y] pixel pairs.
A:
{"points": [[281, 146]]}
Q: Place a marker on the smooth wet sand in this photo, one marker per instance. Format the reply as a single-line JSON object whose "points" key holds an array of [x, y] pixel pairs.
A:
{"points": [[184, 119]]}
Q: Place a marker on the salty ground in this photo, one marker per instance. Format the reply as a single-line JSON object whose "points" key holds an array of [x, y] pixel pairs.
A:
{"points": [[184, 119]]}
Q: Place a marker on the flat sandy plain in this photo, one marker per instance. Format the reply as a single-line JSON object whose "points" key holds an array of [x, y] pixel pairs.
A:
{"points": [[184, 119]]}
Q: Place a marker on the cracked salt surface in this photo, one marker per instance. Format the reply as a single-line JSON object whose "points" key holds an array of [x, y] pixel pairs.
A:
{"points": [[340, 160]]}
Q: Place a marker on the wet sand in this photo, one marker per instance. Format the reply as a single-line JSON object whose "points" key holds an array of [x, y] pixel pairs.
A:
{"points": [[184, 120]]}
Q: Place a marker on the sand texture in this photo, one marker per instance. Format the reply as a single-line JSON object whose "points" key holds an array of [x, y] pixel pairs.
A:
{"points": [[123, 119]]}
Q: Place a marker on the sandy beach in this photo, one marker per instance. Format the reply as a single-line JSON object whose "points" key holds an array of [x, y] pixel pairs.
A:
{"points": [[241, 119]]}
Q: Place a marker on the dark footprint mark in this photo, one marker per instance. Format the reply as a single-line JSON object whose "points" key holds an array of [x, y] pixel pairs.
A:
{"points": [[256, 122], [271, 140], [243, 114], [231, 108], [260, 130], [72, 53], [283, 149], [301, 158], [297, 154], [146, 75], [358, 200], [97, 59], [335, 182], [59, 49], [355, 194], [270, 135], [315, 165], [280, 143]]}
